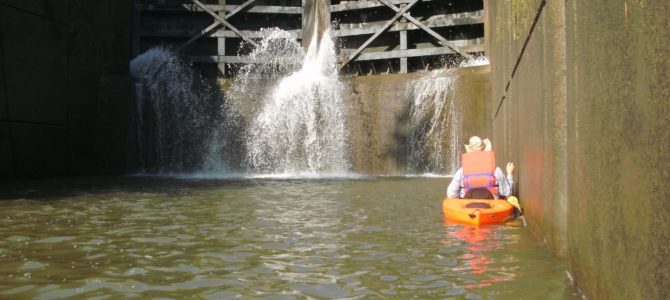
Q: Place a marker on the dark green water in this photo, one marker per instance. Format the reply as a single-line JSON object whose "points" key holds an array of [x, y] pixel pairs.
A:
{"points": [[259, 239]]}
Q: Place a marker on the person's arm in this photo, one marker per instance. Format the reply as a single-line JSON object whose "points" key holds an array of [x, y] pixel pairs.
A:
{"points": [[506, 184], [510, 177], [454, 188]]}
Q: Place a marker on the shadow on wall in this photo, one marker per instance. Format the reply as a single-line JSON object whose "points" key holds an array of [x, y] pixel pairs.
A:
{"points": [[413, 123]]}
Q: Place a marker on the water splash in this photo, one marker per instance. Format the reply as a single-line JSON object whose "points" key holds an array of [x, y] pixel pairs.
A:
{"points": [[475, 62], [176, 112], [435, 125], [299, 126], [435, 121], [283, 115]]}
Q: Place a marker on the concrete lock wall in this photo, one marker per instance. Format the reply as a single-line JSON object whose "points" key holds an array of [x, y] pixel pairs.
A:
{"points": [[379, 106], [64, 87], [586, 118]]}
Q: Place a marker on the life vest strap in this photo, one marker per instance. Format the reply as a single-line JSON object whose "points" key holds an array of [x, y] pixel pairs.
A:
{"points": [[492, 179], [485, 186]]}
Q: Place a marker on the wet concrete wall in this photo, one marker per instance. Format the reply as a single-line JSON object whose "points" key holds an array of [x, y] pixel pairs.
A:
{"points": [[378, 109], [379, 126], [64, 87], [586, 118]]}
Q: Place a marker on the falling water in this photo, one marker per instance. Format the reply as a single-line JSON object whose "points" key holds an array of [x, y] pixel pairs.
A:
{"points": [[283, 114], [435, 121], [177, 113], [435, 124], [299, 127]]}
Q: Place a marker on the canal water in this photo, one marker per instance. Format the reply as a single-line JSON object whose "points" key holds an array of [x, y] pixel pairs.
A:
{"points": [[260, 238]]}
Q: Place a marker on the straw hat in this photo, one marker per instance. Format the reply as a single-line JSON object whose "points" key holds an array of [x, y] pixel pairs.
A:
{"points": [[477, 144]]}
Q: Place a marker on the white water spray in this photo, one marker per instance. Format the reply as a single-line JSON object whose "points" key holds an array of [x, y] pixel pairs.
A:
{"points": [[176, 113], [435, 121], [435, 124], [300, 128]]}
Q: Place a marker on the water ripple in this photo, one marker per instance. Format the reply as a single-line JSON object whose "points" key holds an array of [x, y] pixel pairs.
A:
{"points": [[273, 239]]}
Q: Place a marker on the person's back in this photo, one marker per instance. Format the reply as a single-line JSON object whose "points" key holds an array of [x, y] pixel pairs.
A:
{"points": [[479, 177]]}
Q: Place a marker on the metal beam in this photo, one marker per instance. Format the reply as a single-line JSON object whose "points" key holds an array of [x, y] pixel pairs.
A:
{"points": [[376, 35], [214, 25], [221, 59], [224, 22], [185, 33], [394, 54], [345, 31], [433, 22], [296, 33], [240, 8], [228, 59], [257, 9], [221, 47], [440, 38], [403, 45], [199, 35], [364, 4], [231, 59]]}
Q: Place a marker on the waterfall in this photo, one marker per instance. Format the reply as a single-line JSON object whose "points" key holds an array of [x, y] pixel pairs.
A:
{"points": [[283, 114], [435, 125], [435, 139], [177, 113], [299, 126], [315, 20]]}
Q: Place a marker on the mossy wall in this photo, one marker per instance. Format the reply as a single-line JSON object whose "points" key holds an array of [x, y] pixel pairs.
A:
{"points": [[587, 119]]}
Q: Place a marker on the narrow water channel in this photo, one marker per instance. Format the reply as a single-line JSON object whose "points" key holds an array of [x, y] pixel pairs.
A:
{"points": [[366, 238]]}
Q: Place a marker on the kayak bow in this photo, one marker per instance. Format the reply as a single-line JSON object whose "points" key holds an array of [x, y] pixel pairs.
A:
{"points": [[477, 211]]}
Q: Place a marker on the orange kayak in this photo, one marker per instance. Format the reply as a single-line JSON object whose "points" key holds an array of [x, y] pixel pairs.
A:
{"points": [[477, 211]]}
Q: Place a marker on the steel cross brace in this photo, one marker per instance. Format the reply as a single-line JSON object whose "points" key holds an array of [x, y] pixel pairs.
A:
{"points": [[402, 12], [386, 26], [214, 25], [427, 29], [220, 20]]}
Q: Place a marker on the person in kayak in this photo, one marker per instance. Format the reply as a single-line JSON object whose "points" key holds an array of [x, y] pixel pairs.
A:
{"points": [[479, 178]]}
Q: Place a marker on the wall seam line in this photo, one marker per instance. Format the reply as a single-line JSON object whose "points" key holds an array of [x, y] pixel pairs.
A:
{"points": [[520, 57], [63, 23]]}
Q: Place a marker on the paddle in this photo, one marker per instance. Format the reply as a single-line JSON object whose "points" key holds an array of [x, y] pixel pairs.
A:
{"points": [[515, 202]]}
